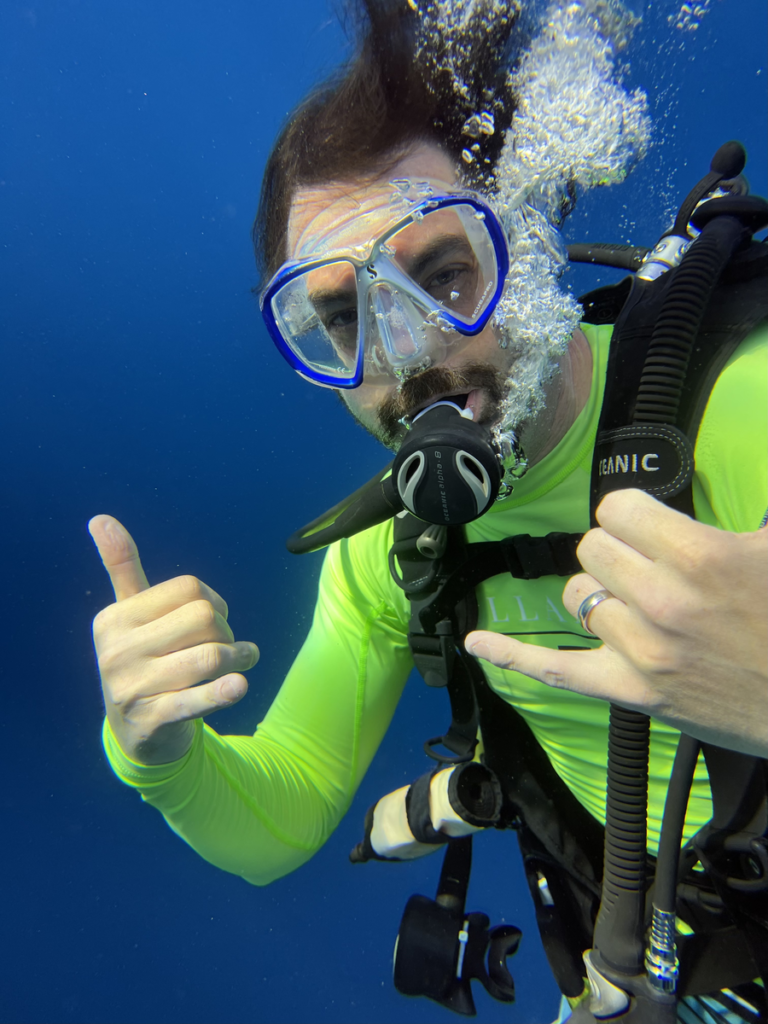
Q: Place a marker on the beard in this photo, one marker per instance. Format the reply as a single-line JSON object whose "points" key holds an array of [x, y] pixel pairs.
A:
{"points": [[428, 386]]}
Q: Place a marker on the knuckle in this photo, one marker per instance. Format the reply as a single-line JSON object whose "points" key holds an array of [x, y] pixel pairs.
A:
{"points": [[102, 622], [122, 693], [656, 659], [689, 558], [211, 659], [670, 611], [658, 609], [109, 660], [591, 544], [555, 678], [204, 613], [190, 588]]}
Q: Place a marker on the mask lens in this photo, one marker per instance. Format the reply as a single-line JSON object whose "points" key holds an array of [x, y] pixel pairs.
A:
{"points": [[449, 254], [316, 313]]}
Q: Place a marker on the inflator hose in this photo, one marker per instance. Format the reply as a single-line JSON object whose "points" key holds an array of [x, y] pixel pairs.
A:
{"points": [[673, 338], [605, 254], [620, 923]]}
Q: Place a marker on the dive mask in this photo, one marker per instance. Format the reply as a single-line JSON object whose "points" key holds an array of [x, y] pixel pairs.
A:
{"points": [[390, 305]]}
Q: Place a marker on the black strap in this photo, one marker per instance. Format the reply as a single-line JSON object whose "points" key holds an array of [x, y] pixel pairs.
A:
{"points": [[418, 813], [442, 612], [560, 841], [523, 557]]}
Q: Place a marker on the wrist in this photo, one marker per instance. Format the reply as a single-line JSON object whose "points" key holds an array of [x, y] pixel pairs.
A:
{"points": [[165, 745]]}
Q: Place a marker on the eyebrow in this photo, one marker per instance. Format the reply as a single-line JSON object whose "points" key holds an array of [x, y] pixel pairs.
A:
{"points": [[439, 247], [329, 300]]}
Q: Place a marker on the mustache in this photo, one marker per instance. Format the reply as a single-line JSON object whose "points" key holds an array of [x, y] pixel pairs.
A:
{"points": [[430, 385]]}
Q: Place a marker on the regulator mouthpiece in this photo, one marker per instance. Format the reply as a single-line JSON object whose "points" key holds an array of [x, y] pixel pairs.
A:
{"points": [[447, 471]]}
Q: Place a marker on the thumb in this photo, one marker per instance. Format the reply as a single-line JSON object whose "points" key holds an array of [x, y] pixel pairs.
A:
{"points": [[120, 556], [493, 647]]}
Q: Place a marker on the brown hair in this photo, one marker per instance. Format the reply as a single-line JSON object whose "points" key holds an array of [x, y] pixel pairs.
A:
{"points": [[387, 98]]}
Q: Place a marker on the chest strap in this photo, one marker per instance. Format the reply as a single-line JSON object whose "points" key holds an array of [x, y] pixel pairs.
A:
{"points": [[444, 609], [524, 557]]}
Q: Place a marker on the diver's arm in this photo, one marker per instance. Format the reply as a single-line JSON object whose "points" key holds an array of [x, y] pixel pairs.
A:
{"points": [[686, 639], [259, 806]]}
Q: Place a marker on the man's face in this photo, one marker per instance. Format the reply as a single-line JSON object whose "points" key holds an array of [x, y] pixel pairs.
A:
{"points": [[472, 369]]}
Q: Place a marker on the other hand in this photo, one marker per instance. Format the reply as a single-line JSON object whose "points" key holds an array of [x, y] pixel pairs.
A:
{"points": [[155, 645], [685, 638]]}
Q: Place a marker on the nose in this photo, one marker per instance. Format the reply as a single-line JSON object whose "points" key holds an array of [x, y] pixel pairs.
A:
{"points": [[399, 325]]}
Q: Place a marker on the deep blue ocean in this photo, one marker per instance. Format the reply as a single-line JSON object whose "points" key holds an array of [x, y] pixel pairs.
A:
{"points": [[138, 380]]}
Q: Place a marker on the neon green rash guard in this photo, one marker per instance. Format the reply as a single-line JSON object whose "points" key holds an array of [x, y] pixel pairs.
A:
{"points": [[260, 806]]}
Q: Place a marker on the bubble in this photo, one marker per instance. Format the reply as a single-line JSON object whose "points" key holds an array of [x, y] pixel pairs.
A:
{"points": [[472, 127], [455, 296], [487, 123], [689, 16], [575, 127]]}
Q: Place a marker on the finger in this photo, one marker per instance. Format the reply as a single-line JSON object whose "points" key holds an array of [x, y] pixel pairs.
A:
{"points": [[610, 619], [167, 597], [120, 556], [195, 665], [195, 623], [577, 588], [600, 673], [620, 625], [198, 701], [647, 525], [618, 566]]}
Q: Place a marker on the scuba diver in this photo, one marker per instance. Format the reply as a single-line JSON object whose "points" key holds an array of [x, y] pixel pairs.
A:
{"points": [[409, 256]]}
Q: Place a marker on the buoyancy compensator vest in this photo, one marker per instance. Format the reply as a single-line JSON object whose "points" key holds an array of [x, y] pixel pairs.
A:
{"points": [[693, 298]]}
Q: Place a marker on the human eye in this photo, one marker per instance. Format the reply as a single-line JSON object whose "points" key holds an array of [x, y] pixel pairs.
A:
{"points": [[443, 278], [342, 319], [449, 283], [342, 329]]}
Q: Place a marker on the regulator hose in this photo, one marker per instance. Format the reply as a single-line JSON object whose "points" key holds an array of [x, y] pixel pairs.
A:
{"points": [[673, 822]]}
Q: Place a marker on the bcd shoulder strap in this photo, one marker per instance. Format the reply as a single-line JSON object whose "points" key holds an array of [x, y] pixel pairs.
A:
{"points": [[658, 456]]}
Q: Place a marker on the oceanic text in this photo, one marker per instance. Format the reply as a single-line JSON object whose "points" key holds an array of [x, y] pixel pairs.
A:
{"points": [[628, 463]]}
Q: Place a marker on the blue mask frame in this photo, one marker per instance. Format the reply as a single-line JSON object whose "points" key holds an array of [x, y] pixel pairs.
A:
{"points": [[390, 272]]}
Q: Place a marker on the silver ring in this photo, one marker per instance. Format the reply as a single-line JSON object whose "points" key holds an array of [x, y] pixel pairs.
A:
{"points": [[588, 605]]}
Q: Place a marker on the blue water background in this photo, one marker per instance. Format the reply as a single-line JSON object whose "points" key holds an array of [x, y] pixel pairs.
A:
{"points": [[138, 380]]}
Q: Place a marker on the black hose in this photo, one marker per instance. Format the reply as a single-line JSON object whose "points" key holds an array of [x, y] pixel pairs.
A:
{"points": [[626, 257], [661, 384], [620, 926], [369, 505], [727, 163], [673, 822]]}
